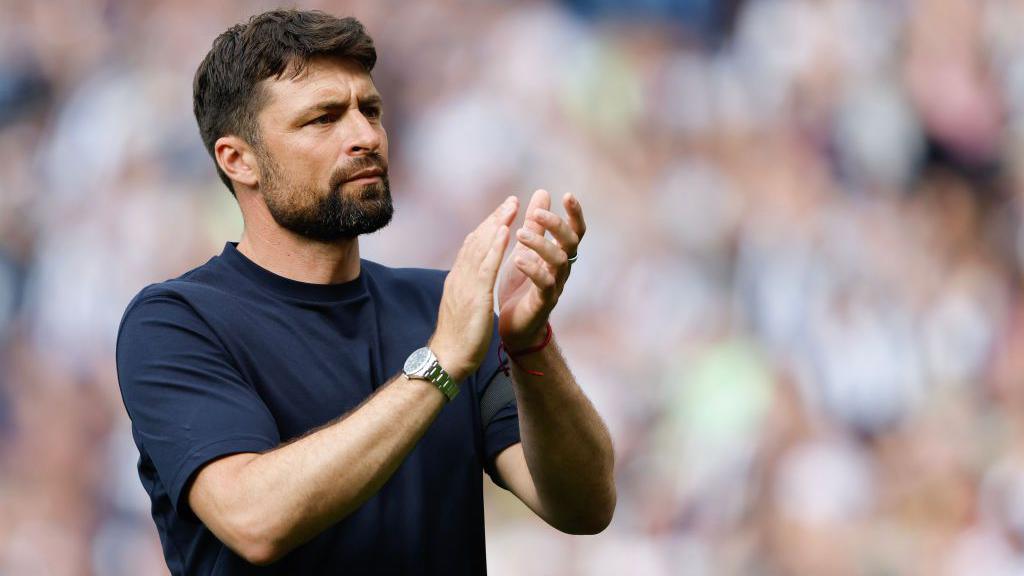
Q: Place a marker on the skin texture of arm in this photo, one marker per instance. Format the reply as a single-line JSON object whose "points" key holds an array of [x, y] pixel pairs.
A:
{"points": [[563, 468]]}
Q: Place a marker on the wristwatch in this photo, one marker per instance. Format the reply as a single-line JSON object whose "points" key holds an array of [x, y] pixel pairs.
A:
{"points": [[423, 365]]}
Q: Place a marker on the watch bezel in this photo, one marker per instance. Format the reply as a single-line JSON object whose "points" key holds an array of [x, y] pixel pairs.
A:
{"points": [[419, 362]]}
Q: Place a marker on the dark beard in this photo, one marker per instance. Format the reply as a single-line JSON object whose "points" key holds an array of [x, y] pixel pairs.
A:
{"points": [[335, 215]]}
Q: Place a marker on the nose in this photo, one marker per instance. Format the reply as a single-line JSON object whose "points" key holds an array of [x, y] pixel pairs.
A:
{"points": [[363, 136]]}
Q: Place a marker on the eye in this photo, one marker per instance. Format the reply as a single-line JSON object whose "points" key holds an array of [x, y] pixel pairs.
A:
{"points": [[372, 112], [324, 119]]}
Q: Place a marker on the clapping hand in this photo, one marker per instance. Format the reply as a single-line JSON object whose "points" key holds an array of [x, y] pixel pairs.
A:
{"points": [[532, 284], [466, 314]]}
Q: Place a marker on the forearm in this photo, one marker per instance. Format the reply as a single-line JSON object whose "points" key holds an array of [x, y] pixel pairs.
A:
{"points": [[288, 495], [566, 445]]}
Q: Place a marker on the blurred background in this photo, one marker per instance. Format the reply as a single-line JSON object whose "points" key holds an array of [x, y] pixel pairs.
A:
{"points": [[797, 306]]}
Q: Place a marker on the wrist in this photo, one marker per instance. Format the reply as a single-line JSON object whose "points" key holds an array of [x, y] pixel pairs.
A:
{"points": [[531, 341], [449, 361], [516, 355]]}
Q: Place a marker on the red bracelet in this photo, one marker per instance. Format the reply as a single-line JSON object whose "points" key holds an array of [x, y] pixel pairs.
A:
{"points": [[502, 351]]}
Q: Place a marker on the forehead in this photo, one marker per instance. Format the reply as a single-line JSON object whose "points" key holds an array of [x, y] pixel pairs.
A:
{"points": [[322, 80]]}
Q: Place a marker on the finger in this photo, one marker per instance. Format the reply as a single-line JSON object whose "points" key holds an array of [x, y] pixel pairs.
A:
{"points": [[492, 260], [539, 274], [504, 213], [478, 241], [560, 230], [548, 251], [574, 211], [540, 200]]}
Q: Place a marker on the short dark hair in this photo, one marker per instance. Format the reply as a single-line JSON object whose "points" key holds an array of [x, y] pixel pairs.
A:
{"points": [[226, 93]]}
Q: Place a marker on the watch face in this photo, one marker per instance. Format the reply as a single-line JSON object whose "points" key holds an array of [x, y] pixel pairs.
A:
{"points": [[418, 361]]}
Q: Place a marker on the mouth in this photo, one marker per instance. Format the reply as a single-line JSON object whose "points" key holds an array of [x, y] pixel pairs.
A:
{"points": [[366, 176]]}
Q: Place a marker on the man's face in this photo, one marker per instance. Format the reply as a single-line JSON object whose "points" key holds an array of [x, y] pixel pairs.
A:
{"points": [[323, 153]]}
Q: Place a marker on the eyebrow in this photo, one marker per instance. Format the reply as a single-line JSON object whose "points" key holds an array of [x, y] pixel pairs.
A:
{"points": [[327, 105]]}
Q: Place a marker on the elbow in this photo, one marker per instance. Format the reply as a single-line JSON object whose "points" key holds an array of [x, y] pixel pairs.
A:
{"points": [[224, 498], [587, 526], [605, 518], [259, 551], [601, 520], [600, 510], [596, 519], [604, 511], [255, 542], [259, 556]]}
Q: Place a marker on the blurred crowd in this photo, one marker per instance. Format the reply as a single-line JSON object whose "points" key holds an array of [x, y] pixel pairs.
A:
{"points": [[797, 306]]}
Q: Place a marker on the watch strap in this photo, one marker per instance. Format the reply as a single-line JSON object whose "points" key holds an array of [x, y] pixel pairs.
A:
{"points": [[444, 382]]}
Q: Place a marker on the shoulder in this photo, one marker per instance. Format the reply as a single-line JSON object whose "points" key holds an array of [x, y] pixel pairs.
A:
{"points": [[165, 321], [179, 297]]}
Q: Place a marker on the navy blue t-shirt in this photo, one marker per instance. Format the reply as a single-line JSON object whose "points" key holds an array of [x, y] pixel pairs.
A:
{"points": [[231, 358]]}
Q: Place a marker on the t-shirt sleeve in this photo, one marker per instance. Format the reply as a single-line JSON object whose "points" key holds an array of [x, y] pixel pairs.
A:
{"points": [[187, 401], [498, 410]]}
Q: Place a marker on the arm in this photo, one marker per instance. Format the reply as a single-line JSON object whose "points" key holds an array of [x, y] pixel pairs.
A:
{"points": [[264, 505], [563, 469]]}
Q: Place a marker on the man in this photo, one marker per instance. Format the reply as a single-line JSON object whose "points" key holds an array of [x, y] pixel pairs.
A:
{"points": [[299, 410]]}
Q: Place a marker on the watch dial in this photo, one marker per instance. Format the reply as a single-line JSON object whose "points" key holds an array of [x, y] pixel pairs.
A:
{"points": [[417, 361]]}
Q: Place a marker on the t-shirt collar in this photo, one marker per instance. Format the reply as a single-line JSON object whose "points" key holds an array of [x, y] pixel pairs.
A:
{"points": [[292, 288]]}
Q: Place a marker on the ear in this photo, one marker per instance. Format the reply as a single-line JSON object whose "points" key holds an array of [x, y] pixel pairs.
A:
{"points": [[237, 159]]}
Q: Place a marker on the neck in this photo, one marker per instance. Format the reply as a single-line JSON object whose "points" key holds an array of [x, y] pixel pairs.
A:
{"points": [[297, 258]]}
